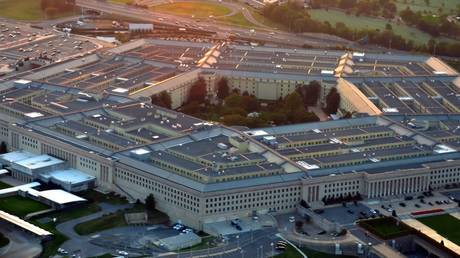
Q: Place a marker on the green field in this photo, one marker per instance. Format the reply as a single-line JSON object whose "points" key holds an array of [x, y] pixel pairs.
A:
{"points": [[195, 9], [446, 225], [385, 228], [81, 211], [4, 185], [20, 206], [24, 10], [3, 240], [362, 22], [105, 222], [236, 20], [448, 6]]}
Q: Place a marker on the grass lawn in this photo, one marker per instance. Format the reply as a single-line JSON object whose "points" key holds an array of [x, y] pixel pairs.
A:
{"points": [[97, 197], [236, 19], [24, 10], [4, 185], [20, 206], [187, 9], [267, 22], [106, 222], [354, 22], [3, 240], [448, 6], [80, 211], [446, 225], [385, 228], [290, 252]]}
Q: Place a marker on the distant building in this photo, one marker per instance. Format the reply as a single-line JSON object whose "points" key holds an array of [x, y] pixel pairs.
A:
{"points": [[140, 27]]}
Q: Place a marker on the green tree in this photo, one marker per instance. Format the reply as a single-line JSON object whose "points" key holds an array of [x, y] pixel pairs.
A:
{"points": [[293, 102], [233, 100], [234, 120], [222, 88], [3, 148], [163, 99], [150, 203], [311, 93], [332, 101]]}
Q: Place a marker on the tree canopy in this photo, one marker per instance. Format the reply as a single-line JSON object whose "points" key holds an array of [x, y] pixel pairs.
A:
{"points": [[223, 90], [163, 99], [332, 101], [198, 91]]}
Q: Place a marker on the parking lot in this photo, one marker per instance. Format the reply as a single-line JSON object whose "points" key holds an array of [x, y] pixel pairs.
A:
{"points": [[346, 215], [405, 207], [23, 47]]}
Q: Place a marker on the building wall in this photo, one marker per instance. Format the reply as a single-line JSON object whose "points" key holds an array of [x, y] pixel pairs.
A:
{"points": [[195, 208]]}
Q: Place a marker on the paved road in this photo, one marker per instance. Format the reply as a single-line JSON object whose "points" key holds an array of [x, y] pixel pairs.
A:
{"points": [[250, 245], [22, 245], [223, 31], [81, 243]]}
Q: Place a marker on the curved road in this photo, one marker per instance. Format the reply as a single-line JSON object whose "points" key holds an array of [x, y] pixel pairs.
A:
{"points": [[22, 245], [80, 244], [265, 34]]}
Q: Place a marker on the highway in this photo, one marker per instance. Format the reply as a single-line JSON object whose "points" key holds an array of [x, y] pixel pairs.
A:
{"points": [[223, 31]]}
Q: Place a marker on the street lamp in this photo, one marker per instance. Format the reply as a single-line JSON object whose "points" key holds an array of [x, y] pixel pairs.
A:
{"points": [[273, 248], [262, 251], [238, 241]]}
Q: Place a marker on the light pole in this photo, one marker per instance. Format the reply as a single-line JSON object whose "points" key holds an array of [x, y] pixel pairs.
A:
{"points": [[262, 251], [242, 253], [273, 248], [237, 242]]}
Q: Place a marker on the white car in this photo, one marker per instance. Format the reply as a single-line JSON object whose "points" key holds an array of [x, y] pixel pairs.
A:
{"points": [[187, 230], [124, 253]]}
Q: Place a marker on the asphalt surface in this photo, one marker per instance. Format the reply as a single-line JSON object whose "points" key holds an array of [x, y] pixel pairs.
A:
{"points": [[22, 245], [223, 31], [81, 244]]}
